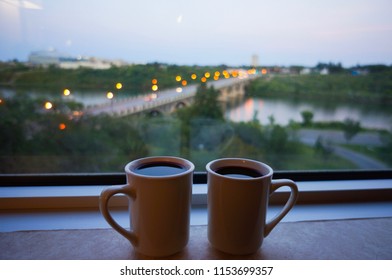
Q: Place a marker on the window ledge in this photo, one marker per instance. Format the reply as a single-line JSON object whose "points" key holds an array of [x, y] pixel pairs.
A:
{"points": [[76, 207], [311, 192]]}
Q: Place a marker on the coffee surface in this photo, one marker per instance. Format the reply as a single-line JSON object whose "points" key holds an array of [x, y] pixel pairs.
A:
{"points": [[159, 169], [238, 172]]}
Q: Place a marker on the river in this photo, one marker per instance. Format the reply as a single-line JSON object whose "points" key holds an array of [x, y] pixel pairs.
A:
{"points": [[285, 109]]}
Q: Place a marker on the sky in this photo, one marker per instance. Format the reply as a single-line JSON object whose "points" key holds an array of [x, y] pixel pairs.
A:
{"points": [[202, 32]]}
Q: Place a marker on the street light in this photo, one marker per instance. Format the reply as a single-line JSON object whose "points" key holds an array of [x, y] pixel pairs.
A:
{"points": [[62, 126], [110, 96], [119, 86], [154, 83], [48, 105], [66, 92]]}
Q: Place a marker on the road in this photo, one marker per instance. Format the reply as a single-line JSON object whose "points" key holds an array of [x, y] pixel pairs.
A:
{"points": [[336, 138]]}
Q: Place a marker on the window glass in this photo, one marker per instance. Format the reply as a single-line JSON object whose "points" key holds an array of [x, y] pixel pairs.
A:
{"points": [[87, 86]]}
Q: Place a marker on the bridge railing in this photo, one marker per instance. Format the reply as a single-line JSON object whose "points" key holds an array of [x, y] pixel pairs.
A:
{"points": [[134, 105]]}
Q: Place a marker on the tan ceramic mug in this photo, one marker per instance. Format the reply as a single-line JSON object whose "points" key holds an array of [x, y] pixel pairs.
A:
{"points": [[238, 195], [160, 191]]}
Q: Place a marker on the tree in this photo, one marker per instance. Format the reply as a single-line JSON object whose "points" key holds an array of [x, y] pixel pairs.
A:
{"points": [[323, 148], [206, 103], [206, 108], [351, 128], [332, 67], [307, 117]]}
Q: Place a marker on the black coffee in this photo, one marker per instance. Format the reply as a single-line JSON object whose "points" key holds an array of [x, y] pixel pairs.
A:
{"points": [[238, 172], [159, 169]]}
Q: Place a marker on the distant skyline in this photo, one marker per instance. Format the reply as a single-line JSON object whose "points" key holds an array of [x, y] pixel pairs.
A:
{"points": [[203, 32]]}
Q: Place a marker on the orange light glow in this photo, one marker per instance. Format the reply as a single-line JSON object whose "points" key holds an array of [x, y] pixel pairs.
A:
{"points": [[217, 73], [264, 71], [66, 92], [251, 71], [119, 86], [193, 76], [48, 105], [154, 81], [62, 126], [178, 78], [242, 74], [204, 79], [184, 83], [77, 113], [216, 78]]}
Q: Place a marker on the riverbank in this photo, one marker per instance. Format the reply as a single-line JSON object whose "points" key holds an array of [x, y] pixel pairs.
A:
{"points": [[372, 87], [133, 78]]}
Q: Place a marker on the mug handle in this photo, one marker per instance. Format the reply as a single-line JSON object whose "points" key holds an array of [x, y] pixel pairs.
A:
{"points": [[104, 198], [276, 184]]}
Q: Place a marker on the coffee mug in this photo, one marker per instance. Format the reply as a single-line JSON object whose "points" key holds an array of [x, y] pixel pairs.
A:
{"points": [[238, 195], [160, 191]]}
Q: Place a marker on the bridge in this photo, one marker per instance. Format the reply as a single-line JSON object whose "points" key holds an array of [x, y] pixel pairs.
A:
{"points": [[169, 100]]}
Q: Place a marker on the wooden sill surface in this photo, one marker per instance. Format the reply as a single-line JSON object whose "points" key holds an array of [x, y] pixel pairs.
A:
{"points": [[365, 239]]}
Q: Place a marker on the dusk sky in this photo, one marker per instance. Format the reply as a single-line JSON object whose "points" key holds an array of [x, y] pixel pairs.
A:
{"points": [[204, 32]]}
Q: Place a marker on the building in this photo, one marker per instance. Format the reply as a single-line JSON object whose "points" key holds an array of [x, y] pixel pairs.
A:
{"points": [[53, 57], [46, 58], [255, 61]]}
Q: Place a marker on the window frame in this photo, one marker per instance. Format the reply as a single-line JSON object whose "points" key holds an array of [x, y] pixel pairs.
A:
{"points": [[86, 179], [102, 180]]}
